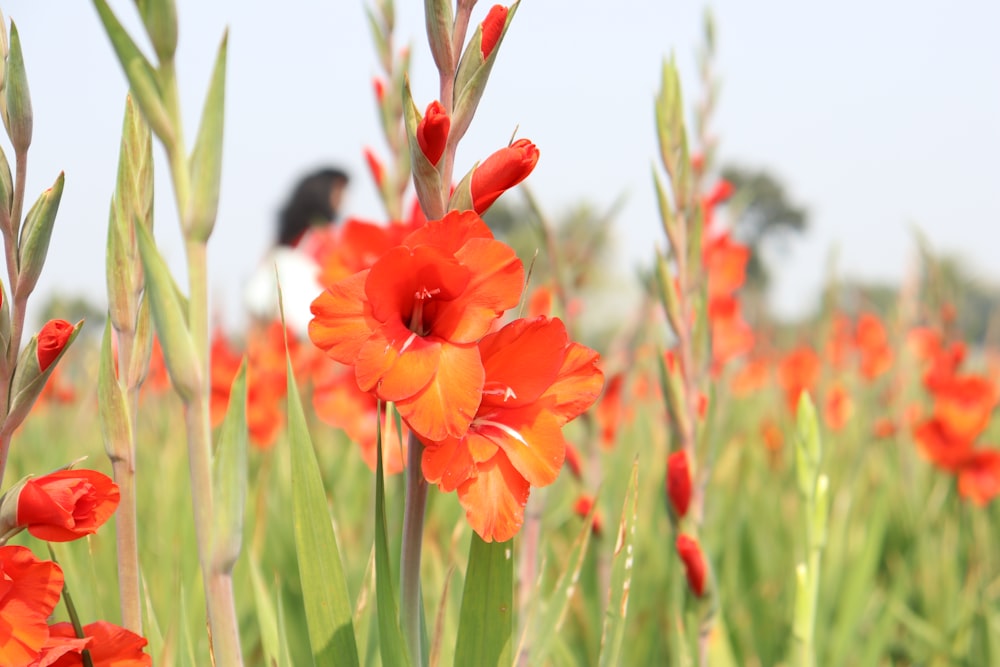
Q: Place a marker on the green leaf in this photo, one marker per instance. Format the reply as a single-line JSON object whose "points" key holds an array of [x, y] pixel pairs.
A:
{"points": [[229, 476], [613, 634], [266, 619], [206, 158], [116, 426], [324, 590], [486, 622], [390, 635], [540, 632]]}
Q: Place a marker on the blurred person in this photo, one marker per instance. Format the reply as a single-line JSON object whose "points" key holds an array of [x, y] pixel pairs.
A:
{"points": [[311, 209]]}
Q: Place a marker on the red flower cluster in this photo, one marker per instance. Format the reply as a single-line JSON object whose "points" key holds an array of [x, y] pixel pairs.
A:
{"points": [[488, 407], [963, 405]]}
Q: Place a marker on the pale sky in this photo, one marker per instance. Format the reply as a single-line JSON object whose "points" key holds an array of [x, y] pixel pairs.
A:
{"points": [[875, 116]]}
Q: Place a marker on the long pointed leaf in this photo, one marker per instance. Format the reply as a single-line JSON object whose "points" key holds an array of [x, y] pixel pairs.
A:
{"points": [[613, 634], [486, 623], [324, 590]]}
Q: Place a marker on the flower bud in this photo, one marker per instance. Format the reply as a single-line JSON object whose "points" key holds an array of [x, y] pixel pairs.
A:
{"points": [[160, 18], [33, 245], [679, 483], [432, 132], [65, 505], [694, 563], [52, 339], [17, 116], [492, 29], [375, 167], [502, 171]]}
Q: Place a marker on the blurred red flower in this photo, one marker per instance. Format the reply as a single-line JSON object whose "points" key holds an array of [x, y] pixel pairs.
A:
{"points": [[979, 476], [108, 645], [798, 372], [679, 482], [30, 591], [694, 563]]}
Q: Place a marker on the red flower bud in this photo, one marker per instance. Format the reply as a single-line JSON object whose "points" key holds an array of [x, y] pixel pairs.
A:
{"points": [[432, 132], [492, 27], [65, 505], [584, 503], [502, 171], [573, 461], [379, 85], [51, 340], [679, 482], [694, 563], [376, 168]]}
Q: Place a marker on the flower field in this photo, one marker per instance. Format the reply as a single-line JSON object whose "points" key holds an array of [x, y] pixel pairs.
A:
{"points": [[461, 459]]}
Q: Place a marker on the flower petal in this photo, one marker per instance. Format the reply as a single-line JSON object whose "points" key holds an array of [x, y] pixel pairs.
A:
{"points": [[396, 363], [446, 406], [341, 319], [494, 499]]}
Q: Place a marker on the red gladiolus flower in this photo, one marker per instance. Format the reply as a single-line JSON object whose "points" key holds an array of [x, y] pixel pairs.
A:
{"points": [[964, 405], [940, 447], [873, 345], [611, 412], [492, 28], [799, 371], [731, 335], [979, 477], [537, 380], [67, 504], [51, 341], [679, 483], [432, 132], [107, 644], [838, 407], [694, 563], [752, 377], [725, 262], [29, 591], [502, 171], [410, 324], [379, 85]]}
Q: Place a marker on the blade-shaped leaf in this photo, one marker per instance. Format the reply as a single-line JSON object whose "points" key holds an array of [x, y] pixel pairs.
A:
{"points": [[324, 590], [390, 635], [621, 576], [486, 623]]}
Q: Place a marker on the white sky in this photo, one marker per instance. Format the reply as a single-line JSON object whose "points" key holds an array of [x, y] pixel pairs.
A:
{"points": [[876, 116]]}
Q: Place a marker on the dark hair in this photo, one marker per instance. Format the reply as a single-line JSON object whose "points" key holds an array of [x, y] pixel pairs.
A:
{"points": [[309, 204]]}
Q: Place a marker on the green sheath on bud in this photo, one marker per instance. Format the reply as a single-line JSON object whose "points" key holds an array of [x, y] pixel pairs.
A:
{"points": [[9, 526], [808, 447], [426, 178], [439, 22], [160, 19], [4, 321], [6, 184], [142, 348], [168, 316], [461, 198], [4, 50], [116, 426], [470, 80], [33, 246], [29, 379], [206, 159], [17, 117]]}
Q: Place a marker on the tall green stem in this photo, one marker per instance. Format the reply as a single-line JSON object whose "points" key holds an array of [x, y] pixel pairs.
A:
{"points": [[413, 535]]}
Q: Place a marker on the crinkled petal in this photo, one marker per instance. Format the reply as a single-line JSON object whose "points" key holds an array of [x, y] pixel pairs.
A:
{"points": [[494, 499], [447, 463], [396, 363], [451, 232], [341, 319], [522, 360], [531, 438], [577, 385]]}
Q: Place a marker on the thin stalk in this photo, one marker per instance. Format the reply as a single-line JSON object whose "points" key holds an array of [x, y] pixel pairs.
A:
{"points": [[409, 562], [127, 539]]}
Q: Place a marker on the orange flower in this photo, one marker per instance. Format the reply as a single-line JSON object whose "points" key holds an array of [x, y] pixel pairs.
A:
{"points": [[838, 407], [944, 363], [694, 563], [798, 372], [409, 325], [979, 477], [963, 405], [731, 335], [432, 132], [29, 591], [67, 504], [679, 482], [725, 263], [771, 433], [610, 411], [537, 380], [51, 340], [940, 447], [873, 345], [838, 345], [501, 171], [751, 378], [884, 428], [353, 246], [107, 644], [492, 28], [339, 402]]}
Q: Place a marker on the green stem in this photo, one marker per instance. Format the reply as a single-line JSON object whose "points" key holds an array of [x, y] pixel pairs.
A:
{"points": [[413, 534]]}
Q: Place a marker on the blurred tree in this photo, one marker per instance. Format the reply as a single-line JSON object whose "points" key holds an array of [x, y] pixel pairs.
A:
{"points": [[760, 211], [72, 308]]}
